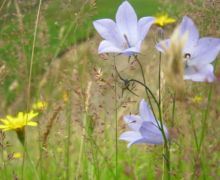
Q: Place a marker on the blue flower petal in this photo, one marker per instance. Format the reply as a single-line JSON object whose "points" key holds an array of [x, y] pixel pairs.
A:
{"points": [[205, 51], [134, 122], [188, 26], [109, 31], [201, 74], [145, 112], [106, 46], [126, 20]]}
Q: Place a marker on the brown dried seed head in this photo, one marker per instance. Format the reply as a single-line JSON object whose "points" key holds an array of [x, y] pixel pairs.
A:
{"points": [[174, 71]]}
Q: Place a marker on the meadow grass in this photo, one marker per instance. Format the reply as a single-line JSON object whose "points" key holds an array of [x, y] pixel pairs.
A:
{"points": [[76, 135]]}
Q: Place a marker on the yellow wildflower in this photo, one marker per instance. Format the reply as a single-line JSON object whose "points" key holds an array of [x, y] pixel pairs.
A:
{"points": [[65, 96], [17, 155], [164, 20], [59, 150], [40, 105], [19, 122], [197, 99]]}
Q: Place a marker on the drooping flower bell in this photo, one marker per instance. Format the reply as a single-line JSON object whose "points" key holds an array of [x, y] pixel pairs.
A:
{"points": [[144, 127], [126, 34]]}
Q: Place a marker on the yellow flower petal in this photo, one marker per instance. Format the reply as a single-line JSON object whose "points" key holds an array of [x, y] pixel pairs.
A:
{"points": [[2, 126], [17, 155], [4, 121], [197, 99], [18, 122], [40, 105], [164, 20], [31, 123]]}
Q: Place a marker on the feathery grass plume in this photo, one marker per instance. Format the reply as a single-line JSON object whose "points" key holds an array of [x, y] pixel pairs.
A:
{"points": [[3, 72], [2, 140], [199, 53], [18, 123], [49, 126], [88, 95], [174, 56]]}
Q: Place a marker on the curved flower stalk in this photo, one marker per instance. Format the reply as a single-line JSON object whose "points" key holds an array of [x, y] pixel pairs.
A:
{"points": [[144, 127], [126, 34], [198, 53]]}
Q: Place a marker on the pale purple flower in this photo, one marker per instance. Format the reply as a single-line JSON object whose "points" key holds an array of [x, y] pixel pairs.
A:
{"points": [[144, 127], [199, 53], [126, 34]]}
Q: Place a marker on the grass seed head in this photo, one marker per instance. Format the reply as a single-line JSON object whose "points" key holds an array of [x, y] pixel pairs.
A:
{"points": [[174, 71]]}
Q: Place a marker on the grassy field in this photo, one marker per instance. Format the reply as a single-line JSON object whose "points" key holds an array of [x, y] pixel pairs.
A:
{"points": [[77, 134], [56, 34]]}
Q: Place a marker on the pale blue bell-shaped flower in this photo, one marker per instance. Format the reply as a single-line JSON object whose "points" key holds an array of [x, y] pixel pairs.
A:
{"points": [[199, 53], [144, 127], [126, 34]]}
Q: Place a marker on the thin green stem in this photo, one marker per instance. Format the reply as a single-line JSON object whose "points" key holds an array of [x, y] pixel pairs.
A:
{"points": [[205, 116], [2, 5], [194, 131], [166, 144], [159, 77], [80, 152], [32, 54], [144, 82], [173, 110], [2, 153], [142, 71], [30, 71], [68, 142], [102, 154], [41, 152], [160, 126], [139, 82], [116, 130], [31, 162]]}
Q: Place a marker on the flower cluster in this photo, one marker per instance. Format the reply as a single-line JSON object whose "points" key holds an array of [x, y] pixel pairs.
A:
{"points": [[188, 57], [145, 128]]}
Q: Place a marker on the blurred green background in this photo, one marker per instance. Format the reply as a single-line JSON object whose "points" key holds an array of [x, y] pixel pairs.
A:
{"points": [[62, 24]]}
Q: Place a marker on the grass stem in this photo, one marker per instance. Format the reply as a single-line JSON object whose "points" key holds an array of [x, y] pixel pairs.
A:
{"points": [[116, 132]]}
